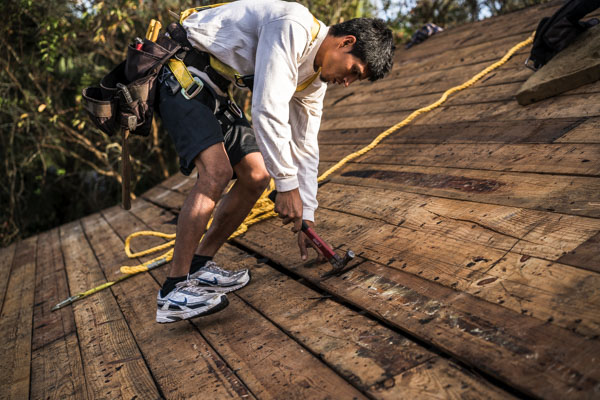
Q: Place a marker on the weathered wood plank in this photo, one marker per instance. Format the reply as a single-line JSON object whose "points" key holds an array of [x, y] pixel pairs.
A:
{"points": [[435, 85], [522, 351], [272, 364], [506, 131], [51, 287], [586, 132], [15, 323], [196, 368], [112, 361], [165, 197], [356, 104], [180, 183], [399, 100], [7, 255], [57, 370], [531, 233], [564, 106], [235, 331], [563, 295], [586, 255], [375, 358], [577, 159], [439, 375], [432, 82], [564, 194]]}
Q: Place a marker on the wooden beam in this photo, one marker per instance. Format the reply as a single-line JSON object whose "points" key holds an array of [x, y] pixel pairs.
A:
{"points": [[56, 365], [532, 233], [15, 322], [51, 287], [566, 106], [585, 255], [113, 364], [504, 131], [7, 255], [57, 370], [586, 132], [572, 195], [564, 159]]}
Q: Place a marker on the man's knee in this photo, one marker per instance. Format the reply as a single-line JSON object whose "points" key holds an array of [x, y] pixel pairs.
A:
{"points": [[256, 181], [214, 177], [220, 175]]}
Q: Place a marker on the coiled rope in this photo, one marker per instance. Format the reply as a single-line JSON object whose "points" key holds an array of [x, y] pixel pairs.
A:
{"points": [[263, 208]]}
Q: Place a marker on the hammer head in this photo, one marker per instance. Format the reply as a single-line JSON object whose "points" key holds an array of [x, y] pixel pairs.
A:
{"points": [[339, 263]]}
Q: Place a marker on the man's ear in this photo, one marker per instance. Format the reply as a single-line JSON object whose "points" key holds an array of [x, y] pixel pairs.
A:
{"points": [[346, 41], [349, 40]]}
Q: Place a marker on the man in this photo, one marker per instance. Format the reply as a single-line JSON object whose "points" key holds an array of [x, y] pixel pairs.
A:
{"points": [[284, 48]]}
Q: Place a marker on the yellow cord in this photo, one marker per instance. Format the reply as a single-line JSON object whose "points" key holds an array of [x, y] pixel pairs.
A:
{"points": [[263, 208]]}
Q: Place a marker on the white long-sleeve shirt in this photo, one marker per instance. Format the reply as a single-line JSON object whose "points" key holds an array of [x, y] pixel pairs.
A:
{"points": [[272, 40]]}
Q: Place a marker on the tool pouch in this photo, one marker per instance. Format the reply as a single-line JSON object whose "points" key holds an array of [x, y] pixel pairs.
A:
{"points": [[111, 108]]}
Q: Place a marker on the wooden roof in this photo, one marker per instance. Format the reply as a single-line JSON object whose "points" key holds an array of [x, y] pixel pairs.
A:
{"points": [[477, 229]]}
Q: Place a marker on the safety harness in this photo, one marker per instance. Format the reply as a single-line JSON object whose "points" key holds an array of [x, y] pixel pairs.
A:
{"points": [[220, 73]]}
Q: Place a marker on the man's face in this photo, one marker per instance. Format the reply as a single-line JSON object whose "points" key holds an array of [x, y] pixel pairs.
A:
{"points": [[341, 67]]}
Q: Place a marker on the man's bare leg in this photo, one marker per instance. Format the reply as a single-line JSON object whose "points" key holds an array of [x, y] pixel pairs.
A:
{"points": [[252, 180], [214, 172]]}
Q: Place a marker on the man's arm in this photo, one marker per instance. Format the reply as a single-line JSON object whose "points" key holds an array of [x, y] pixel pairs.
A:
{"points": [[281, 44], [279, 47], [305, 119]]}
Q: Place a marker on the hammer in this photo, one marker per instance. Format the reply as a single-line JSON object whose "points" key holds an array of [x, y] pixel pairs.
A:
{"points": [[331, 256]]}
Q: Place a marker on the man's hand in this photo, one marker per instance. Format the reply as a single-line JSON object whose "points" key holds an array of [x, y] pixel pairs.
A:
{"points": [[289, 207], [304, 242]]}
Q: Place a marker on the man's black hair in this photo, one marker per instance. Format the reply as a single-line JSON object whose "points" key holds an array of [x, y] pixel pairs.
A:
{"points": [[374, 44]]}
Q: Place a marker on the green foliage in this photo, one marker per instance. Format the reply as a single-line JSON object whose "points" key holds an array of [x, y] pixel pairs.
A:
{"points": [[334, 11], [55, 165]]}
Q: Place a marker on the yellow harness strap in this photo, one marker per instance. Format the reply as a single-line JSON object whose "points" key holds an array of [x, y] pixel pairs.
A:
{"points": [[187, 82], [185, 79]]}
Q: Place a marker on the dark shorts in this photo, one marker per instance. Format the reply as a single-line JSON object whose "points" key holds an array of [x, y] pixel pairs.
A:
{"points": [[193, 127]]}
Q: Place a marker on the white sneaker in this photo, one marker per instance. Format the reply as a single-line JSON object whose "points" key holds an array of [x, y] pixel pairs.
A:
{"points": [[188, 300], [220, 280]]}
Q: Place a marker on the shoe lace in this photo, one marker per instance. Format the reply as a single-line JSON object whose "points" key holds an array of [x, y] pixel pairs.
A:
{"points": [[191, 285], [212, 266]]}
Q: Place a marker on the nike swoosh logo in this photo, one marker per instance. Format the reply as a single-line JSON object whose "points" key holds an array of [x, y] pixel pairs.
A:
{"points": [[213, 282], [179, 303]]}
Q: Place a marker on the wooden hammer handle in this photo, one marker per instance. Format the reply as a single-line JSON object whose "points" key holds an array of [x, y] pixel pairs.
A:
{"points": [[125, 171]]}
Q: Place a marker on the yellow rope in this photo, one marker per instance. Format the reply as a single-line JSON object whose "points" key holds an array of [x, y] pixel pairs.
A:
{"points": [[263, 208]]}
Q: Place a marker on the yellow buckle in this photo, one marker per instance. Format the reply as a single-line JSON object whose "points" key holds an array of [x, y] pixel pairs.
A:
{"points": [[199, 86]]}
